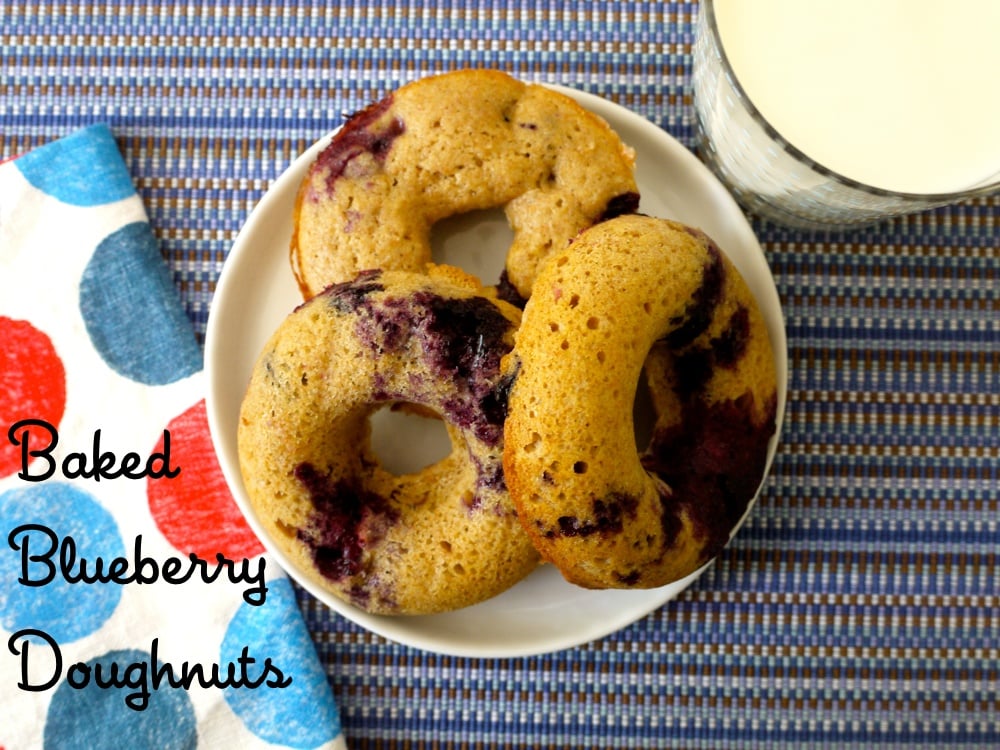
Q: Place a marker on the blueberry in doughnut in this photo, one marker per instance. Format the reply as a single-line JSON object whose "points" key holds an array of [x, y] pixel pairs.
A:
{"points": [[450, 144], [629, 295], [438, 539]]}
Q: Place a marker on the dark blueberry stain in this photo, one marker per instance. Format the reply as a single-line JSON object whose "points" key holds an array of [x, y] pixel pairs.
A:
{"points": [[670, 522], [728, 348], [463, 412], [494, 403], [341, 511], [464, 336], [693, 369], [625, 203], [698, 315], [607, 517], [695, 365], [381, 390], [362, 133], [490, 476], [713, 461], [389, 324], [461, 341], [627, 579], [464, 340], [508, 292], [360, 596], [347, 296]]}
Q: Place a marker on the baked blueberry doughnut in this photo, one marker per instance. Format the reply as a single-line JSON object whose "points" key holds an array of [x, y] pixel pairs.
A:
{"points": [[629, 294], [450, 144], [438, 539]]}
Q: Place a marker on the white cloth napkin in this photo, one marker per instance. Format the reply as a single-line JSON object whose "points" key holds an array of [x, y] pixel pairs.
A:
{"points": [[107, 472]]}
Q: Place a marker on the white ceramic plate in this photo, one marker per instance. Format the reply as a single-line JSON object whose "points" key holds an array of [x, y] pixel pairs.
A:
{"points": [[256, 291]]}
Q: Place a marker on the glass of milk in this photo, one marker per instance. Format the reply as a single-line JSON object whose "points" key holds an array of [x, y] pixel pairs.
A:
{"points": [[837, 113]]}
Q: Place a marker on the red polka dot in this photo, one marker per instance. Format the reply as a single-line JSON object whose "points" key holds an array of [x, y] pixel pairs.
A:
{"points": [[32, 384], [195, 510]]}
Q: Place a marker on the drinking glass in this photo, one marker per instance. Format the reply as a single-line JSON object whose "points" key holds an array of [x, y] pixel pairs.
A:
{"points": [[770, 176]]}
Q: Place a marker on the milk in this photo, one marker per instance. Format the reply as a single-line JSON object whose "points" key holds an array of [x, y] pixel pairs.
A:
{"points": [[902, 95]]}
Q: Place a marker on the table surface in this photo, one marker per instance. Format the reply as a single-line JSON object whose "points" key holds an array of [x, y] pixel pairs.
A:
{"points": [[856, 606]]}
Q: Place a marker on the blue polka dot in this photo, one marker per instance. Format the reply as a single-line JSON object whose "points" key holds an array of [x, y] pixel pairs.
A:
{"points": [[132, 312], [302, 715], [82, 169], [94, 718], [66, 512]]}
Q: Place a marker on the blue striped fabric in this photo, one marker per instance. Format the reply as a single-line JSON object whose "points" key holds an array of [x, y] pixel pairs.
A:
{"points": [[857, 607]]}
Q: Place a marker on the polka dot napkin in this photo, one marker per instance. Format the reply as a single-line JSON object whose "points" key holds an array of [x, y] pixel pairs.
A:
{"points": [[136, 607]]}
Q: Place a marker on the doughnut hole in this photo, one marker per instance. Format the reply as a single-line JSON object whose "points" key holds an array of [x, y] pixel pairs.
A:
{"points": [[405, 441], [477, 242], [643, 416]]}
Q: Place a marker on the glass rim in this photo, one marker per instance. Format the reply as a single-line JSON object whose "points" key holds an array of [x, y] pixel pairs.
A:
{"points": [[708, 10]]}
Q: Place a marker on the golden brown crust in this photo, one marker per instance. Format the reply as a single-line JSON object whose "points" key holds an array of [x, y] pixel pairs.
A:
{"points": [[450, 144], [605, 516], [435, 540]]}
